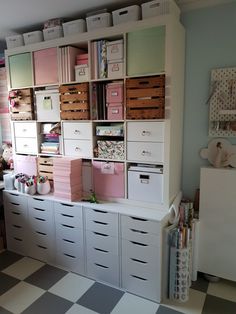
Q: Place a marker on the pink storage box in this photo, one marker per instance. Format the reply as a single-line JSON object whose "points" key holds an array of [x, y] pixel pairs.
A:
{"points": [[115, 111], [25, 164], [115, 92], [45, 66], [67, 178], [82, 59], [69, 196], [109, 179], [67, 188], [67, 162]]}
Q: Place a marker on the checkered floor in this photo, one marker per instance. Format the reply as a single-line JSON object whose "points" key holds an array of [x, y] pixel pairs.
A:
{"points": [[31, 287]]}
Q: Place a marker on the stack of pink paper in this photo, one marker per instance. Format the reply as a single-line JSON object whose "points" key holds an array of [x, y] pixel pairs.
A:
{"points": [[67, 176]]}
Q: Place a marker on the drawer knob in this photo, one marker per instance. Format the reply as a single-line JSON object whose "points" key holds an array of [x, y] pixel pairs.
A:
{"points": [[76, 131], [146, 153], [77, 148], [24, 130], [146, 133], [25, 145]]}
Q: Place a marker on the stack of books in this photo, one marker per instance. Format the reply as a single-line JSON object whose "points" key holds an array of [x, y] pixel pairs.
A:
{"points": [[50, 144], [99, 59]]}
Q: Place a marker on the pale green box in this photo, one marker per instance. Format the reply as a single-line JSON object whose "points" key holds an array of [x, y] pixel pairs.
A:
{"points": [[20, 69], [146, 51]]}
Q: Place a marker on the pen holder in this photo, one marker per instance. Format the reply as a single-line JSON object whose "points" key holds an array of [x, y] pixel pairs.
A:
{"points": [[43, 187], [31, 190]]}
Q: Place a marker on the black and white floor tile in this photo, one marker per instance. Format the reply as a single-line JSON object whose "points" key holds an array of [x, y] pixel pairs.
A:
{"points": [[29, 286]]}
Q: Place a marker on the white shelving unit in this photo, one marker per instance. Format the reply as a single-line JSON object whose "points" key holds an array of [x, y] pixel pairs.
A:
{"points": [[134, 262]]}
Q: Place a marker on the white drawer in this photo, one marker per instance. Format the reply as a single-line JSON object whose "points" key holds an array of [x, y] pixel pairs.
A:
{"points": [[41, 224], [145, 131], [18, 208], [26, 145], [101, 242], [69, 247], [38, 212], [39, 203], [68, 210], [141, 254], [145, 151], [43, 238], [16, 217], [101, 221], [17, 245], [42, 252], [140, 285], [141, 224], [141, 236], [16, 230], [24, 129], [103, 268], [11, 197], [77, 131], [78, 148], [69, 232], [70, 262]]}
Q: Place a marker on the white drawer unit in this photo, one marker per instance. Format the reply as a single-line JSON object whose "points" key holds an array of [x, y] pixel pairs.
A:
{"points": [[145, 152], [78, 148], [25, 129], [145, 184], [145, 131], [42, 251], [141, 262], [40, 203], [65, 212], [81, 131], [101, 221], [17, 244]]}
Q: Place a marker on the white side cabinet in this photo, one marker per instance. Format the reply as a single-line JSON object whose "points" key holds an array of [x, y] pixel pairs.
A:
{"points": [[16, 219], [69, 237], [141, 258], [217, 248]]}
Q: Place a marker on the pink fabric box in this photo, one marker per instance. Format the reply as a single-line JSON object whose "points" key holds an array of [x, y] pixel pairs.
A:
{"points": [[115, 111], [115, 92], [69, 196], [45, 66], [109, 180], [25, 164]]}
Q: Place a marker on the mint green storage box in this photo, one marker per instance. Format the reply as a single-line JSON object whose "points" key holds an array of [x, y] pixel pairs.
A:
{"points": [[146, 51], [20, 70]]}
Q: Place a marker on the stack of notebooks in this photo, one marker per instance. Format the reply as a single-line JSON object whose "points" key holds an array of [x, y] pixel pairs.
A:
{"points": [[99, 59], [67, 176], [50, 144], [67, 61]]}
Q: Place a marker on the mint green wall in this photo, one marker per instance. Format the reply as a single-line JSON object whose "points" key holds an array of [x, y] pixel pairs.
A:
{"points": [[210, 43]]}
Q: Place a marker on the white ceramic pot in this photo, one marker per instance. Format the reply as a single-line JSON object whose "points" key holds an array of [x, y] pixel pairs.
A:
{"points": [[43, 188]]}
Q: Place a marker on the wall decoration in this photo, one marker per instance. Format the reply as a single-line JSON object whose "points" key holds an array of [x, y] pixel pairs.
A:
{"points": [[220, 153], [222, 101]]}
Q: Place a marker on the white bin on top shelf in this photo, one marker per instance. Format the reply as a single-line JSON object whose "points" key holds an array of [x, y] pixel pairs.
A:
{"points": [[159, 7], [128, 14], [74, 27], [98, 21], [14, 41], [33, 37]]}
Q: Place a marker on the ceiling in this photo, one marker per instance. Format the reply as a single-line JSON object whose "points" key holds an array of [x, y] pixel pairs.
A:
{"points": [[27, 15]]}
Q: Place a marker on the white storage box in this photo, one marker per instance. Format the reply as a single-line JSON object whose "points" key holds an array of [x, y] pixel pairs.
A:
{"points": [[128, 14], [74, 27], [53, 32], [81, 73], [160, 7], [98, 21], [14, 41], [145, 184], [33, 37], [115, 50], [115, 69], [48, 105]]}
